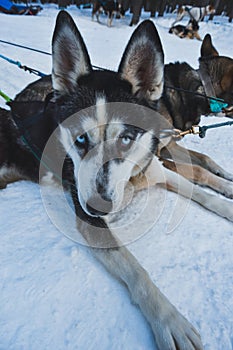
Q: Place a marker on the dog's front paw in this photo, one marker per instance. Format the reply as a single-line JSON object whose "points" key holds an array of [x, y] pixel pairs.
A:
{"points": [[174, 332]]}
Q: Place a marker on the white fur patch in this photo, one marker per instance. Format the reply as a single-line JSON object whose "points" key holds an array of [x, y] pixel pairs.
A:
{"points": [[95, 125], [49, 180], [114, 129], [9, 174], [101, 113], [66, 140], [134, 162]]}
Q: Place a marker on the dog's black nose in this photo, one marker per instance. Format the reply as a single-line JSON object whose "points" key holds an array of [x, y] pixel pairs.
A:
{"points": [[97, 206]]}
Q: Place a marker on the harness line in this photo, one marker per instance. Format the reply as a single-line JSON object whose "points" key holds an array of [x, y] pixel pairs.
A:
{"points": [[25, 68], [195, 130], [213, 105], [39, 51], [3, 95], [216, 104], [219, 104]]}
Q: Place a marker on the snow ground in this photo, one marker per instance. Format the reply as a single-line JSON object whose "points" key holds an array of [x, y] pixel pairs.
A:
{"points": [[54, 295]]}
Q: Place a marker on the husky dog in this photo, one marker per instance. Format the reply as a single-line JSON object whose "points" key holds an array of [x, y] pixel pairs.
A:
{"points": [[100, 149], [190, 31], [109, 7], [213, 78], [182, 109], [196, 13]]}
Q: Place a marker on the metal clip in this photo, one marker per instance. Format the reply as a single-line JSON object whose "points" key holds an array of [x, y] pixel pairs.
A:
{"points": [[177, 133], [166, 133], [228, 111], [195, 129]]}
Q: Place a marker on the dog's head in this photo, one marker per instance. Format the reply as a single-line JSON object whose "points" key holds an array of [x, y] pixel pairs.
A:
{"points": [[219, 69], [104, 127], [210, 10]]}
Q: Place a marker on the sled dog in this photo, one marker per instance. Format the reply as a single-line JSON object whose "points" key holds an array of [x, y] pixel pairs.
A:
{"points": [[109, 7], [196, 13], [101, 149], [186, 97], [190, 31]]}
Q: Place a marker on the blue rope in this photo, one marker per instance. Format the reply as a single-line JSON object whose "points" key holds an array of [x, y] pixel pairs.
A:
{"points": [[18, 64], [204, 128]]}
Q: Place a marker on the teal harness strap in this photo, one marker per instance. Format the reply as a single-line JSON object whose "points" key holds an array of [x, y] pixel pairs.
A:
{"points": [[217, 105]]}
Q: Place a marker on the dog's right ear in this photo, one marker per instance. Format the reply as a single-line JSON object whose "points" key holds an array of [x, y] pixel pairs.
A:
{"points": [[69, 55], [207, 48], [142, 63]]}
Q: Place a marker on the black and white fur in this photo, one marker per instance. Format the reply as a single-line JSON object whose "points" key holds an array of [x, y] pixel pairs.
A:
{"points": [[102, 148], [196, 13]]}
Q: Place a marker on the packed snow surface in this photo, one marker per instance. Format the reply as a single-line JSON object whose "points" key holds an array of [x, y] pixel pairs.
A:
{"points": [[53, 293]]}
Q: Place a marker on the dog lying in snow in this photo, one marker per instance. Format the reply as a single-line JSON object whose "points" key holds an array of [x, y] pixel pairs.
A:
{"points": [[190, 31]]}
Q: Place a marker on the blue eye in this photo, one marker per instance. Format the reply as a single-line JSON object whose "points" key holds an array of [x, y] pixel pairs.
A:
{"points": [[124, 142], [81, 140]]}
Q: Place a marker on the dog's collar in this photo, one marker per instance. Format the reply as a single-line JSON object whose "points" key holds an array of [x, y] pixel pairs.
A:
{"points": [[206, 80]]}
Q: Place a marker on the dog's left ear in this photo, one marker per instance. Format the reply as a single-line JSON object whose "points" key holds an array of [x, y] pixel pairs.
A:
{"points": [[142, 63], [207, 48], [70, 56]]}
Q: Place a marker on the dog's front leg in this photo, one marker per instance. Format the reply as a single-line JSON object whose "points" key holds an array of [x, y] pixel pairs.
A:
{"points": [[180, 154], [156, 174], [201, 176], [180, 185], [171, 330]]}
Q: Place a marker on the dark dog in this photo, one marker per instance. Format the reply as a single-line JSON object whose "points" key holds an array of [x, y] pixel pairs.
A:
{"points": [[214, 78], [190, 31], [110, 7], [186, 108]]}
